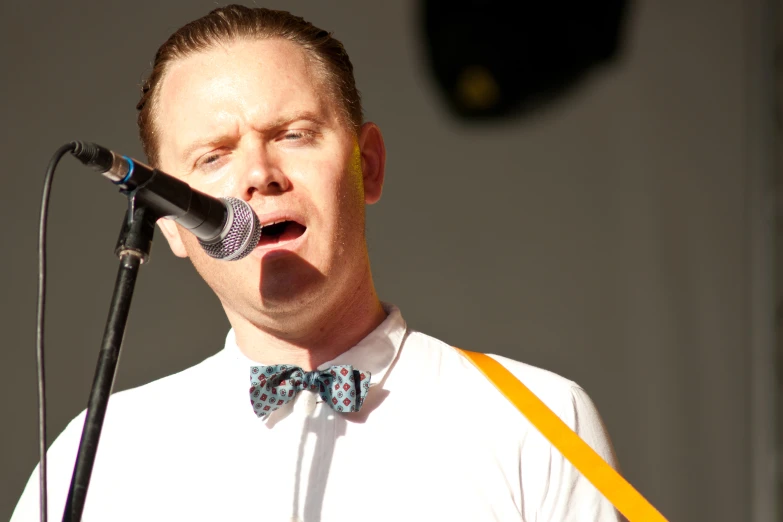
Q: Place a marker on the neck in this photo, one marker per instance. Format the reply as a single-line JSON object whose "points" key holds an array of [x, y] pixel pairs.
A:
{"points": [[308, 338]]}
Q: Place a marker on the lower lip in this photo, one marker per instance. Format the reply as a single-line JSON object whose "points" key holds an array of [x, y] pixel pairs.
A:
{"points": [[281, 247]]}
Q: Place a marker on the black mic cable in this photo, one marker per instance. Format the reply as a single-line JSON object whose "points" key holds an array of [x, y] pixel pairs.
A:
{"points": [[39, 329]]}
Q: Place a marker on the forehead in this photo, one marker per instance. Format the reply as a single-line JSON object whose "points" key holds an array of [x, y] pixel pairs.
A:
{"points": [[247, 80]]}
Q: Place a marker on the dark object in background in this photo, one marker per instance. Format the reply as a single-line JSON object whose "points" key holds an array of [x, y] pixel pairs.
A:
{"points": [[495, 58]]}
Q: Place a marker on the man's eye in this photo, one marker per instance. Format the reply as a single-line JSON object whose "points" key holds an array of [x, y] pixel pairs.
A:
{"points": [[212, 160], [298, 135]]}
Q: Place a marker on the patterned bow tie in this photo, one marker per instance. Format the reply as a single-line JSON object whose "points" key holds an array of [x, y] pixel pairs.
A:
{"points": [[342, 387]]}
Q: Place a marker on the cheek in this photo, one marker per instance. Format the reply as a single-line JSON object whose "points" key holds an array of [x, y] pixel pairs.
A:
{"points": [[337, 187], [196, 253], [355, 170], [221, 276], [350, 186]]}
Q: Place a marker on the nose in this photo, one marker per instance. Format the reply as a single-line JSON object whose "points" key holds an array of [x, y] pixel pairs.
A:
{"points": [[264, 176]]}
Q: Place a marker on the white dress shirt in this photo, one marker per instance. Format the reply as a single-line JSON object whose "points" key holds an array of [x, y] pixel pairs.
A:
{"points": [[434, 441]]}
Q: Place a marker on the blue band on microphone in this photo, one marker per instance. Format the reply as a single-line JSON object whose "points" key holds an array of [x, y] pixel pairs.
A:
{"points": [[130, 171]]}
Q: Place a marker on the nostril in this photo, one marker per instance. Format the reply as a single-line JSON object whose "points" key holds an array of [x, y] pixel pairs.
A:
{"points": [[275, 185]]}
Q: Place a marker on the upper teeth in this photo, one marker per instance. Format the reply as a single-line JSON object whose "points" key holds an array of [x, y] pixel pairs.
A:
{"points": [[273, 223]]}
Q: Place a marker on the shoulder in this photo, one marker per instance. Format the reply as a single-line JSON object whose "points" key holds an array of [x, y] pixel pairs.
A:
{"points": [[164, 401], [179, 384], [563, 396], [140, 418], [451, 365], [549, 485], [156, 410]]}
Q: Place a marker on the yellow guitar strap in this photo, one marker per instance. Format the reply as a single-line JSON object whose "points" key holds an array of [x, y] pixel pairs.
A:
{"points": [[608, 481]]}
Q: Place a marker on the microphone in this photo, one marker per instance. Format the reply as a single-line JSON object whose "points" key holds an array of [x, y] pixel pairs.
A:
{"points": [[226, 228]]}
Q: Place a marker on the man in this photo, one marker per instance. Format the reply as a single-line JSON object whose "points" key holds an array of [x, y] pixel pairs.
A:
{"points": [[262, 106]]}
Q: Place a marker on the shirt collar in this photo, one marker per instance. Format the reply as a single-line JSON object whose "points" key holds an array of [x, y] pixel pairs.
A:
{"points": [[375, 353]]}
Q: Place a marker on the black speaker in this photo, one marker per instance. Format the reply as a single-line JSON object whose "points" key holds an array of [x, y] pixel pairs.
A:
{"points": [[493, 58]]}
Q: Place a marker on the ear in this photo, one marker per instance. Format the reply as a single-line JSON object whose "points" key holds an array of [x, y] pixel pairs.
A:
{"points": [[170, 230], [373, 161]]}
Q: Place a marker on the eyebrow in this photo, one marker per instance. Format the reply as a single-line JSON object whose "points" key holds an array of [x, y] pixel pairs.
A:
{"points": [[289, 118], [281, 121], [193, 147]]}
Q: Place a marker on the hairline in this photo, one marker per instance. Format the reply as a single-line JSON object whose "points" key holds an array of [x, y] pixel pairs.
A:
{"points": [[323, 76]]}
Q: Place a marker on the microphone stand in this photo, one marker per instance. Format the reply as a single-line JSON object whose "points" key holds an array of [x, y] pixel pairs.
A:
{"points": [[133, 249]]}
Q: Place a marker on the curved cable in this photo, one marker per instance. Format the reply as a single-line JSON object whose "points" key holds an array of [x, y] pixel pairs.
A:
{"points": [[39, 331]]}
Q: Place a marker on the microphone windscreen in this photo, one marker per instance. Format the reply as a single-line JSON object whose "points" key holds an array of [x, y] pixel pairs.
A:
{"points": [[240, 236]]}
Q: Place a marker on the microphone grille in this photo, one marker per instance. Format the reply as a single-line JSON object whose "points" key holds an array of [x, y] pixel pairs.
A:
{"points": [[240, 235]]}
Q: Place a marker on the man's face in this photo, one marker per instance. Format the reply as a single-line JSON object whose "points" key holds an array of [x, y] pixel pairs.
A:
{"points": [[254, 120]]}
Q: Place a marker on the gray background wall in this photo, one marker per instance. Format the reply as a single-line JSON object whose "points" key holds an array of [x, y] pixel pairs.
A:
{"points": [[619, 239]]}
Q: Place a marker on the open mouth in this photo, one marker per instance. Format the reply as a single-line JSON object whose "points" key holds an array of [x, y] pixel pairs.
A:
{"points": [[280, 232]]}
